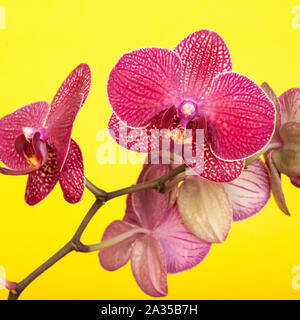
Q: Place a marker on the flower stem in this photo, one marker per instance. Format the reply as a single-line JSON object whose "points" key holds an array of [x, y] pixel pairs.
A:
{"points": [[75, 244]]}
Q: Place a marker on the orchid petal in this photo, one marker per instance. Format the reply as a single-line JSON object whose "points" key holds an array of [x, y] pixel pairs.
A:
{"points": [[213, 168], [143, 83], [273, 97], [250, 192], [148, 266], [182, 249], [290, 105], [295, 181], [276, 186], [287, 159], [149, 204], [11, 127], [71, 177], [240, 117], [143, 140], [204, 55], [77, 83], [116, 256], [41, 182], [205, 208], [65, 106]]}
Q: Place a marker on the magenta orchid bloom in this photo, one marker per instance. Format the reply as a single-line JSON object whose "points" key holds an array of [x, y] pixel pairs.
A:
{"points": [[46, 152], [191, 87], [283, 153], [208, 208], [157, 241]]}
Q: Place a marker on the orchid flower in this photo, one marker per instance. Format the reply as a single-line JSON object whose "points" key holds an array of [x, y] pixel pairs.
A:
{"points": [[283, 153], [208, 208], [157, 241], [46, 152], [190, 87]]}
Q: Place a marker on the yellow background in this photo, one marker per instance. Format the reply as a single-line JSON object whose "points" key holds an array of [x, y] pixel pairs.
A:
{"points": [[43, 42]]}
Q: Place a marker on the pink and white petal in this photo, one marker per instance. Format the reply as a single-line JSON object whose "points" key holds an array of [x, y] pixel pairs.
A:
{"points": [[241, 118], [182, 249], [131, 215], [148, 266], [59, 131], [78, 83], [205, 209], [213, 168], [116, 256], [11, 126], [143, 83], [142, 140], [41, 182], [250, 192], [149, 204], [290, 105], [276, 186], [204, 55], [71, 177]]}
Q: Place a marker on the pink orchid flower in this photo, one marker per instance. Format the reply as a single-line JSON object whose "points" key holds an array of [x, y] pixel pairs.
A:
{"points": [[157, 241], [283, 153], [208, 208], [191, 87], [46, 152]]}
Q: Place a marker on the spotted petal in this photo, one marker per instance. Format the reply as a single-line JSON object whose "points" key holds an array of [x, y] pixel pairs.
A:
{"points": [[241, 118], [71, 176], [204, 55], [41, 182], [11, 126], [250, 192], [64, 109], [148, 266], [213, 168], [182, 249], [143, 83]]}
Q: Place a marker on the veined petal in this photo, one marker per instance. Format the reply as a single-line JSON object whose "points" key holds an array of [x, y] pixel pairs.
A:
{"points": [[143, 83], [290, 105], [241, 118], [64, 108], [149, 204], [250, 192], [205, 209], [213, 168], [276, 186], [71, 177], [116, 256], [41, 182], [204, 55], [182, 249], [148, 266], [11, 126], [78, 83]]}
